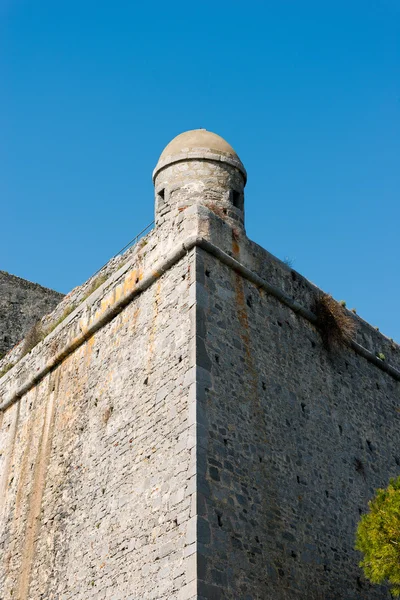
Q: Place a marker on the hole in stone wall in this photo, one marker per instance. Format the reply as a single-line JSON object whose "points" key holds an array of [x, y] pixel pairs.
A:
{"points": [[340, 429], [249, 301], [264, 386], [303, 406], [225, 442], [217, 359], [370, 446], [146, 381], [207, 273], [237, 199], [161, 195], [219, 517], [359, 467]]}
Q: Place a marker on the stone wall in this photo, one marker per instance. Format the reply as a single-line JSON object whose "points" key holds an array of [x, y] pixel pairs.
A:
{"points": [[182, 433], [96, 458], [22, 304], [295, 438]]}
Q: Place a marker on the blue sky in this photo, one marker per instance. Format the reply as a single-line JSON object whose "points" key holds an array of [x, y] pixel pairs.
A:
{"points": [[308, 93]]}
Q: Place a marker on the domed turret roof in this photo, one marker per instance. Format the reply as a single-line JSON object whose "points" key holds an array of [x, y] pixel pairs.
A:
{"points": [[198, 143], [197, 138]]}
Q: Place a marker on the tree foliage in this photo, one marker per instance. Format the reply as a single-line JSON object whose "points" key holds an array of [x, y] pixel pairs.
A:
{"points": [[378, 537]]}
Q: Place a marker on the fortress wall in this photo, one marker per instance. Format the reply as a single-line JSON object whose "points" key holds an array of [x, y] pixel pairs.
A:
{"points": [[258, 260], [97, 459], [295, 439], [179, 408], [138, 256], [22, 303]]}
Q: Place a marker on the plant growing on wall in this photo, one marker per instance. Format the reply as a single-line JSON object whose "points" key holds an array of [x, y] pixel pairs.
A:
{"points": [[378, 537], [6, 368], [334, 321], [33, 337]]}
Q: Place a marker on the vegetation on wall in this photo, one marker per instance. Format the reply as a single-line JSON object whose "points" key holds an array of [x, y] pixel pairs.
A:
{"points": [[378, 538], [5, 369], [336, 325], [32, 338], [97, 282], [38, 331]]}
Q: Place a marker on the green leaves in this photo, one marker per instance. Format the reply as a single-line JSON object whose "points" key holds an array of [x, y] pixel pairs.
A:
{"points": [[378, 537]]}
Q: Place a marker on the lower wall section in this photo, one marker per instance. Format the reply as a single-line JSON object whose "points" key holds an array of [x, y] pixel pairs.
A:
{"points": [[295, 440], [97, 461]]}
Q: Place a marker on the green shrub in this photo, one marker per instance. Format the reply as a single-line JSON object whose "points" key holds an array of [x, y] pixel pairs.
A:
{"points": [[378, 537]]}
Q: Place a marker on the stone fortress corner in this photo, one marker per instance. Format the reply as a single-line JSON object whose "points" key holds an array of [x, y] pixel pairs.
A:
{"points": [[182, 432]]}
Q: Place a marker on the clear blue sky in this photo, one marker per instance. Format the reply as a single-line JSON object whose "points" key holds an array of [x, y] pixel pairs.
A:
{"points": [[308, 93]]}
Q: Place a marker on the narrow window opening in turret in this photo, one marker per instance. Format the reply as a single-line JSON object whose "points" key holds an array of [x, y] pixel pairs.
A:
{"points": [[237, 199], [161, 196]]}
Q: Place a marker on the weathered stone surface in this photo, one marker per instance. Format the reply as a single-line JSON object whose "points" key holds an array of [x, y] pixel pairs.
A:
{"points": [[182, 434], [22, 304], [298, 439], [95, 460]]}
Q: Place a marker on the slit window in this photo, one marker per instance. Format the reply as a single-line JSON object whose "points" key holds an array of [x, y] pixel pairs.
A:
{"points": [[237, 199]]}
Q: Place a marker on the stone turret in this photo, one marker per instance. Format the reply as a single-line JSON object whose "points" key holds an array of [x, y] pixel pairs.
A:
{"points": [[199, 167]]}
